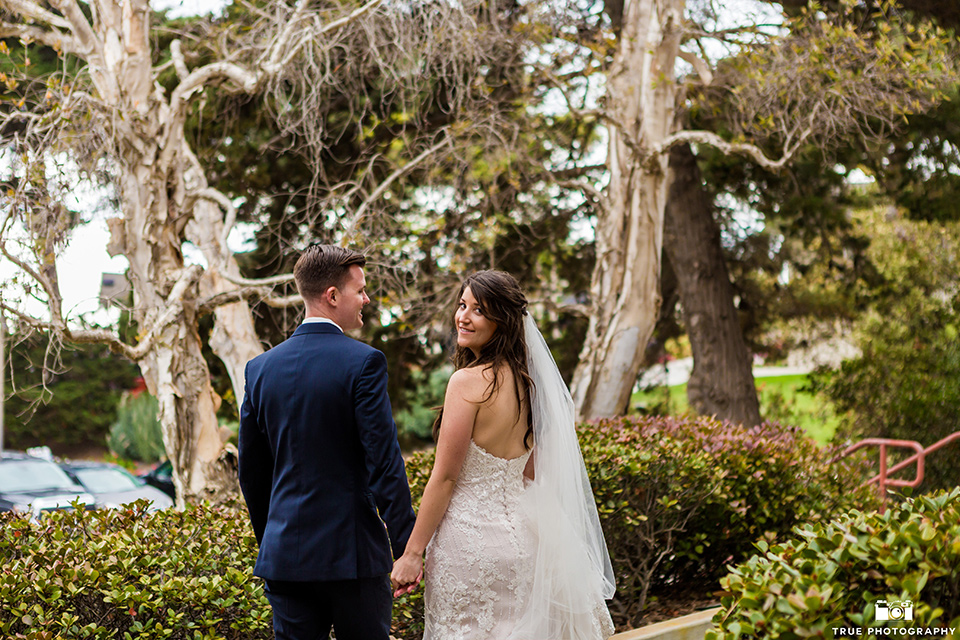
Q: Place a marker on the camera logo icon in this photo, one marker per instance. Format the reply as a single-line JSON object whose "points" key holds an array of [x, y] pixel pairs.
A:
{"points": [[895, 610]]}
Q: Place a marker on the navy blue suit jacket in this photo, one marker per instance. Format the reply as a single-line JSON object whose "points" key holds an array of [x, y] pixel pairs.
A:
{"points": [[320, 466]]}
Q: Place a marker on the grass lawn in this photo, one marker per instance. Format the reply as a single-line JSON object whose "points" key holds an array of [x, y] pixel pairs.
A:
{"points": [[780, 399]]}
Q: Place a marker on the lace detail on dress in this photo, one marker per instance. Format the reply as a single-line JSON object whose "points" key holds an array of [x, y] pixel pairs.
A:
{"points": [[478, 562], [479, 565]]}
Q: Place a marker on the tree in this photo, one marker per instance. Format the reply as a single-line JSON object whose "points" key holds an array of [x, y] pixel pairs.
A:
{"points": [[807, 202], [905, 384], [721, 382], [122, 126], [822, 80]]}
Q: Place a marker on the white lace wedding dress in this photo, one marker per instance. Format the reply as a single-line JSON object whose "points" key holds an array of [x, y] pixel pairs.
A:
{"points": [[480, 562]]}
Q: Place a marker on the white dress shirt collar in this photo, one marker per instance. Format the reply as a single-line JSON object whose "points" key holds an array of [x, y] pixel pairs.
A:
{"points": [[321, 319]]}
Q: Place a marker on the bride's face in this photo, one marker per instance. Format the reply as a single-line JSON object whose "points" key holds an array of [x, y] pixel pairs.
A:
{"points": [[473, 328]]}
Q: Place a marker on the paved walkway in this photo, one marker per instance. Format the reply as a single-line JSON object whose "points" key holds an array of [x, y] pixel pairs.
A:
{"points": [[678, 372]]}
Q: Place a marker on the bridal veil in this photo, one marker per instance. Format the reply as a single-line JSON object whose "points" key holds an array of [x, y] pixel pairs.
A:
{"points": [[572, 571]]}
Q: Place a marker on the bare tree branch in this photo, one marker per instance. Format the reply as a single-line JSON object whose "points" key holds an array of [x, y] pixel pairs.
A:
{"points": [[29, 9], [701, 66], [276, 49], [581, 310], [230, 212], [198, 78], [574, 109], [79, 25], [569, 173], [207, 305], [732, 148], [259, 282], [342, 22], [283, 303], [176, 57], [41, 279], [352, 227], [54, 38], [26, 319], [588, 189], [174, 307], [723, 35]]}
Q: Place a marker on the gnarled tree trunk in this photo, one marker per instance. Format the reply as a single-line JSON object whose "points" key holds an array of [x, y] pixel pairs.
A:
{"points": [[625, 303], [160, 188]]}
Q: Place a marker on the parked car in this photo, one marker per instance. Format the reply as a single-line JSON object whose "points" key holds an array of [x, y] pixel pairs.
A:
{"points": [[113, 486], [161, 477], [34, 485]]}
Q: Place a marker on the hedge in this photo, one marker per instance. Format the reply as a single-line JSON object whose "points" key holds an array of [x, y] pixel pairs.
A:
{"points": [[831, 575], [130, 573], [679, 500]]}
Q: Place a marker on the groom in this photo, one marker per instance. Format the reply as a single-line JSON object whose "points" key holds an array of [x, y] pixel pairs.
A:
{"points": [[320, 467]]}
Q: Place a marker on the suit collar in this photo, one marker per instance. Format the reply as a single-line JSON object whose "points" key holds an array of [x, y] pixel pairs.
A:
{"points": [[317, 327]]}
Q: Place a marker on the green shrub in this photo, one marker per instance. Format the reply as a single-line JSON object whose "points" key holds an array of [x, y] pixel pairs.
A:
{"points": [[124, 573], [136, 434], [408, 609], [415, 420], [906, 382], [682, 498], [679, 499], [832, 574]]}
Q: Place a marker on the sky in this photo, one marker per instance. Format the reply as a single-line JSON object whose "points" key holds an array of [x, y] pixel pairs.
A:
{"points": [[180, 8]]}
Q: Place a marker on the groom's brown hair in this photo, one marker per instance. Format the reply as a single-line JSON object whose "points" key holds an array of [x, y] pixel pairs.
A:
{"points": [[322, 266]]}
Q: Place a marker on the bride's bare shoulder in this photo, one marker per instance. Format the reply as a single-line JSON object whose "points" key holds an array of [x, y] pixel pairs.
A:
{"points": [[468, 383]]}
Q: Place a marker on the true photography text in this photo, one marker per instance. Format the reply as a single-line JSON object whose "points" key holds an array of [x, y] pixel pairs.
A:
{"points": [[927, 632]]}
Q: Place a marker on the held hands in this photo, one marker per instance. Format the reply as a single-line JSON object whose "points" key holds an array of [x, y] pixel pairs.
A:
{"points": [[407, 574]]}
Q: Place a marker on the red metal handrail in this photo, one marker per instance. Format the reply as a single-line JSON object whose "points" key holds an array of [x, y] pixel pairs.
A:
{"points": [[883, 478]]}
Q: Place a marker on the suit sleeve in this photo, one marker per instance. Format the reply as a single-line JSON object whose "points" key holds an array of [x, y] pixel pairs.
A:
{"points": [[378, 435], [255, 463]]}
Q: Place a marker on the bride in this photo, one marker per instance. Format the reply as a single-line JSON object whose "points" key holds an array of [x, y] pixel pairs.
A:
{"points": [[514, 549]]}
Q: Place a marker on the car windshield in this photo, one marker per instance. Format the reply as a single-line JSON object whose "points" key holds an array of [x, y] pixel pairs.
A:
{"points": [[106, 480], [32, 475]]}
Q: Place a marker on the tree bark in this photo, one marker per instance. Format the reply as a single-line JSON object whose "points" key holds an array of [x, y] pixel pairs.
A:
{"points": [[721, 383], [157, 172], [234, 339], [625, 300]]}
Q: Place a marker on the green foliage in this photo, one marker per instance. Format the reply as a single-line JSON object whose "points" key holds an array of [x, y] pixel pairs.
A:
{"points": [[837, 72], [70, 400], [130, 573], [680, 499], [422, 398], [832, 573], [919, 169], [783, 399], [137, 434], [724, 486], [906, 382]]}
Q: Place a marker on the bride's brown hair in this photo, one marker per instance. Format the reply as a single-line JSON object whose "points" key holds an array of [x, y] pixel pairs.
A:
{"points": [[502, 301]]}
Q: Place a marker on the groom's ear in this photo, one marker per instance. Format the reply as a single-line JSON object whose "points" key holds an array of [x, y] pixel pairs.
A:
{"points": [[331, 295]]}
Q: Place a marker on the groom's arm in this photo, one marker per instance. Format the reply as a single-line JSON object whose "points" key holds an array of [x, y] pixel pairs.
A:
{"points": [[255, 463], [378, 435]]}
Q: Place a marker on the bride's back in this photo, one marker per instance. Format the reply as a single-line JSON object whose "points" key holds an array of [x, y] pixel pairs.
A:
{"points": [[499, 427]]}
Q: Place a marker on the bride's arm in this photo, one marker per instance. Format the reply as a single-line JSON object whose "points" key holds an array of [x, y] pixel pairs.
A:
{"points": [[460, 406]]}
